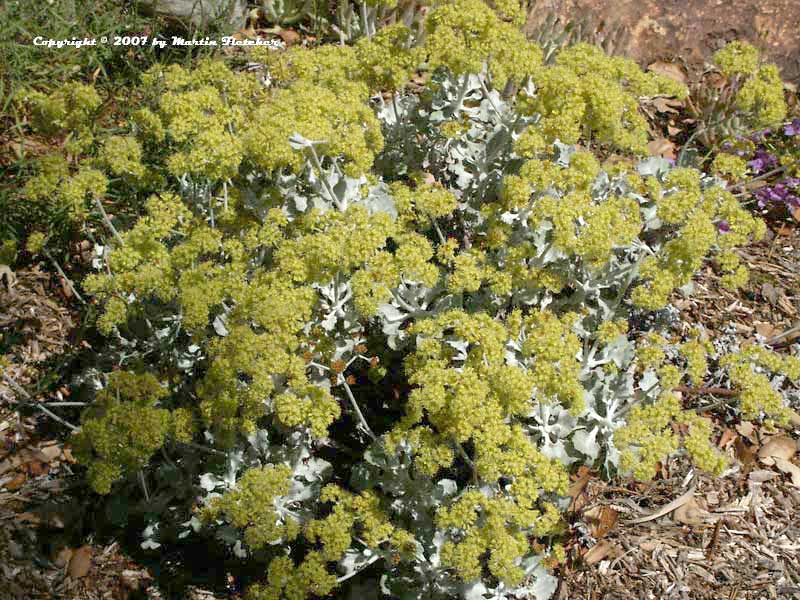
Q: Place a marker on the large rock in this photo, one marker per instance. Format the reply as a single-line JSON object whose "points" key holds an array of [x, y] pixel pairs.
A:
{"points": [[200, 13]]}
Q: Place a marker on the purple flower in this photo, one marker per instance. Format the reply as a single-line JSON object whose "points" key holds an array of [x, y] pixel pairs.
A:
{"points": [[762, 161], [793, 128], [778, 194], [723, 227], [763, 197]]}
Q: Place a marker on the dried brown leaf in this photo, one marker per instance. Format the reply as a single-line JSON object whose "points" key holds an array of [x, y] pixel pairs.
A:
{"points": [[778, 446], [790, 469], [662, 147], [767, 330], [601, 520], [747, 430], [602, 549], [690, 513], [769, 293], [63, 557], [761, 475], [669, 70], [80, 563], [17, 482]]}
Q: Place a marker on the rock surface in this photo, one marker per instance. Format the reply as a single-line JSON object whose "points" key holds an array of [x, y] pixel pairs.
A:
{"points": [[198, 12]]}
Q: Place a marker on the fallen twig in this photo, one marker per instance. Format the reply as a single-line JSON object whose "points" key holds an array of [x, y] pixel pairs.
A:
{"points": [[711, 391], [35, 403]]}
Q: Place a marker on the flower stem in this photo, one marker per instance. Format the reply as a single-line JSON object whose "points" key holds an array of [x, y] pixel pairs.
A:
{"points": [[357, 410], [108, 222], [64, 276]]}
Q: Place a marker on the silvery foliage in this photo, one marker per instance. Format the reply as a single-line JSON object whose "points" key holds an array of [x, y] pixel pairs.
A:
{"points": [[309, 474]]}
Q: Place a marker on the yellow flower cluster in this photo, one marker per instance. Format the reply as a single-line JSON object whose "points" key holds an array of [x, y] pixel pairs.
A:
{"points": [[695, 352], [475, 403], [340, 120], [737, 58], [122, 156], [759, 88], [251, 506], [498, 526], [424, 202], [608, 331], [696, 212], [67, 110], [465, 35], [590, 92], [757, 397], [338, 242], [59, 189], [353, 516], [316, 410], [730, 164], [123, 428], [650, 435], [761, 98], [295, 582], [388, 59]]}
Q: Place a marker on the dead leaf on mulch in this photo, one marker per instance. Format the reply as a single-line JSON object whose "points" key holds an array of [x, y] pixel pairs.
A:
{"points": [[769, 293], [662, 147], [577, 487], [748, 431], [767, 330], [289, 36], [790, 469], [17, 482], [601, 550], [777, 447], [601, 520], [691, 513], [761, 475], [63, 557], [80, 563]]}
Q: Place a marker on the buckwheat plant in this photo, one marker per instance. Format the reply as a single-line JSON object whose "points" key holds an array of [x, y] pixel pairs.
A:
{"points": [[385, 323]]}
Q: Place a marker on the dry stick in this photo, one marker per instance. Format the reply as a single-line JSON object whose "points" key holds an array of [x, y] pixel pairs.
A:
{"points": [[30, 400], [353, 402], [64, 276], [467, 460], [773, 340], [766, 175], [711, 391], [108, 222], [143, 483]]}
